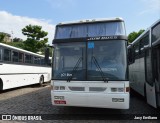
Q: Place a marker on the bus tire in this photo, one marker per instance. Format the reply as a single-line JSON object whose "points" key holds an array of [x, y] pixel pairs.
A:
{"points": [[1, 84], [41, 80]]}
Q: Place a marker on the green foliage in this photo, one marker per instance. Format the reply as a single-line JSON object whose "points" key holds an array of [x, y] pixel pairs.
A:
{"points": [[42, 50], [2, 36], [17, 40], [35, 38], [133, 35], [16, 44]]}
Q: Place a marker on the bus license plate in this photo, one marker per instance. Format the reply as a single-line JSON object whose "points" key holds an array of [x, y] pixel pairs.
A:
{"points": [[59, 102]]}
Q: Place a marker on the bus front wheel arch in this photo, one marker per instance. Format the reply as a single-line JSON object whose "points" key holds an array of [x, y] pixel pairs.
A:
{"points": [[1, 84]]}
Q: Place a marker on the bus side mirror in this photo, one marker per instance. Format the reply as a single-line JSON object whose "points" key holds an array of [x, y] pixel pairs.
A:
{"points": [[47, 56], [131, 55]]}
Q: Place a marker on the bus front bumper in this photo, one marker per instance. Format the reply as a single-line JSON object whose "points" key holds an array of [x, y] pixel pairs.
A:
{"points": [[99, 100]]}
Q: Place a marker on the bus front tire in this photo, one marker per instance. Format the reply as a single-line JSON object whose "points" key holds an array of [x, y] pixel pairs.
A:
{"points": [[41, 80], [1, 85]]}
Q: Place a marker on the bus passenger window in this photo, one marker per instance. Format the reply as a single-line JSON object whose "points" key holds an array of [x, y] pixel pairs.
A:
{"points": [[28, 58], [7, 55], [21, 57], [156, 33], [14, 56], [37, 60], [0, 53], [42, 61]]}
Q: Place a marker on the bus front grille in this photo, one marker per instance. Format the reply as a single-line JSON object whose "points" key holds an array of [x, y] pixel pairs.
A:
{"points": [[77, 88], [98, 89]]}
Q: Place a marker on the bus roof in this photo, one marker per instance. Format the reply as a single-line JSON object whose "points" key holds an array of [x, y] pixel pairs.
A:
{"points": [[91, 21], [15, 48]]}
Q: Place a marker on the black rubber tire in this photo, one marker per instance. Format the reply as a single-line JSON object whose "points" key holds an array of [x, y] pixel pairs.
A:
{"points": [[1, 85], [41, 80]]}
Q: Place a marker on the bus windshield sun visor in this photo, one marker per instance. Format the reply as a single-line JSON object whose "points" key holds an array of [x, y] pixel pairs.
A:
{"points": [[74, 69], [99, 68]]}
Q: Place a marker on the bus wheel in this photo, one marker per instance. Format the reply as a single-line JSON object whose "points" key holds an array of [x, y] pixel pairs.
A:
{"points": [[41, 80], [1, 85]]}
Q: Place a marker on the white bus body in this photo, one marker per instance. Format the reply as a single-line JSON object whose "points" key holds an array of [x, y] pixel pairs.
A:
{"points": [[81, 74], [144, 67], [16, 71]]}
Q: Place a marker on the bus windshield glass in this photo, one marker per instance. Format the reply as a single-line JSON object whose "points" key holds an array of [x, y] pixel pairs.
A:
{"points": [[104, 59], [90, 30], [69, 61], [110, 56]]}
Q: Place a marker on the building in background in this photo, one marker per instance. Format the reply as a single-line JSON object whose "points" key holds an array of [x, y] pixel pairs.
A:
{"points": [[5, 37]]}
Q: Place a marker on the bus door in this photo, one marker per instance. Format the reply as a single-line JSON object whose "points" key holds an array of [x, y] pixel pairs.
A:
{"points": [[156, 71], [150, 82]]}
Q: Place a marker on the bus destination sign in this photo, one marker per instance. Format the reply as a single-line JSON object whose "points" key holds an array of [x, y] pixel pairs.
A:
{"points": [[102, 38]]}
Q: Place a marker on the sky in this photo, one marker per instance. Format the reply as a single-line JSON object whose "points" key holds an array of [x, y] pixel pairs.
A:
{"points": [[16, 14]]}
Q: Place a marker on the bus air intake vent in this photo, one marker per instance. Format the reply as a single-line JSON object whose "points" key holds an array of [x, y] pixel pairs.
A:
{"points": [[76, 88], [98, 89]]}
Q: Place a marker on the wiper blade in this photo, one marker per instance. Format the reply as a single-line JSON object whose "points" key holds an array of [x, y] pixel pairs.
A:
{"points": [[99, 68], [74, 69]]}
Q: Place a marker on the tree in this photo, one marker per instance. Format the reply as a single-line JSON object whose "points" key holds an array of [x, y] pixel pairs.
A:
{"points": [[2, 36], [35, 38], [17, 40], [50, 50], [133, 35], [16, 44]]}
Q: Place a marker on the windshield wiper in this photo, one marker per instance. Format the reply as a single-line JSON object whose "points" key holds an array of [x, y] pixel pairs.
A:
{"points": [[74, 69], [99, 68]]}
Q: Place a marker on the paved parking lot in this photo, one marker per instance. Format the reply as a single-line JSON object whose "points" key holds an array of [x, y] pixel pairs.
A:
{"points": [[36, 100]]}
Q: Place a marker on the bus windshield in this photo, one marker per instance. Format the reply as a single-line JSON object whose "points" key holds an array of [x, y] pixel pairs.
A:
{"points": [[104, 59], [69, 61], [111, 59]]}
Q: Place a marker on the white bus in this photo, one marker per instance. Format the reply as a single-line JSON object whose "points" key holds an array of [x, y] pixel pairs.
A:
{"points": [[20, 67], [144, 64], [90, 64]]}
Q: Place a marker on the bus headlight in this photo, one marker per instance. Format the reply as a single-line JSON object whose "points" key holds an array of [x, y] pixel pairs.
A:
{"points": [[62, 87], [59, 87], [56, 87], [117, 89]]}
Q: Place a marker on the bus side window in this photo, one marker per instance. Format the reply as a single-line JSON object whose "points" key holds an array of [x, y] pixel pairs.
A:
{"points": [[28, 58], [156, 33], [21, 57], [37, 60], [7, 55], [42, 61], [0, 53], [143, 43], [14, 56]]}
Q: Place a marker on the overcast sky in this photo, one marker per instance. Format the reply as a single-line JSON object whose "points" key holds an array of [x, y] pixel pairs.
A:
{"points": [[16, 14]]}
